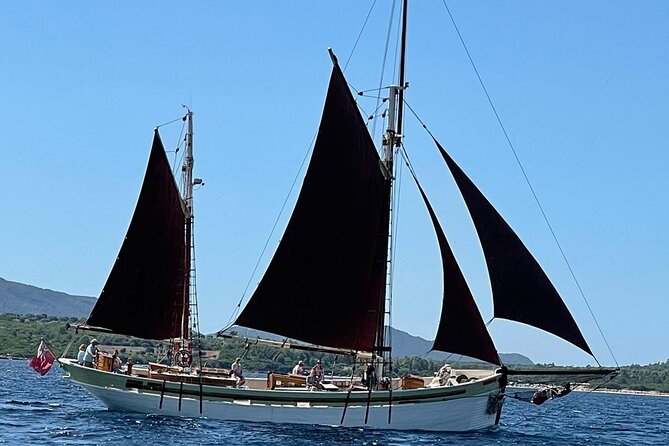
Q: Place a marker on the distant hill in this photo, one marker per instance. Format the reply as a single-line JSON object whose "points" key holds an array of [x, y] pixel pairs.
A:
{"points": [[18, 298]]}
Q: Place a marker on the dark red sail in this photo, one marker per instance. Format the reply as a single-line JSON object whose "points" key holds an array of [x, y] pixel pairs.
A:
{"points": [[461, 327], [144, 294], [521, 290], [326, 282]]}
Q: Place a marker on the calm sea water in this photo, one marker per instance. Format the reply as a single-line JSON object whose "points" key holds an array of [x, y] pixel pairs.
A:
{"points": [[51, 410]]}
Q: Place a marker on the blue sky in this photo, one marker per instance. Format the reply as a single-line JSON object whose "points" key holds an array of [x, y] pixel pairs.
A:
{"points": [[582, 89]]}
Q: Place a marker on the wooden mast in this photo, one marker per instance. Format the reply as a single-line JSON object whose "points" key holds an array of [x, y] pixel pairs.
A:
{"points": [[392, 139], [188, 202]]}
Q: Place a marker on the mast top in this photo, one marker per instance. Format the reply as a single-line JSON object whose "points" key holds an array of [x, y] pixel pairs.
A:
{"points": [[402, 82]]}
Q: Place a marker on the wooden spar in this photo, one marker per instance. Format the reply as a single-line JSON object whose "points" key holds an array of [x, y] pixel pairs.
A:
{"points": [[288, 345], [78, 327], [599, 371]]}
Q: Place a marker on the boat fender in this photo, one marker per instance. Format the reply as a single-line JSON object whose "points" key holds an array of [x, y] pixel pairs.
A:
{"points": [[183, 358]]}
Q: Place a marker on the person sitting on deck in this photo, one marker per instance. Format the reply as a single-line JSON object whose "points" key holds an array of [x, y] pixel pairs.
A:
{"points": [[81, 354], [91, 353], [236, 372], [315, 376], [298, 369]]}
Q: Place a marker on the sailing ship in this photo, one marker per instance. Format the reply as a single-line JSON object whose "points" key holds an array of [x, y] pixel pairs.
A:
{"points": [[335, 249]]}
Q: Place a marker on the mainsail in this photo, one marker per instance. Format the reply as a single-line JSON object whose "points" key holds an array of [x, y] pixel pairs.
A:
{"points": [[326, 282], [144, 294], [521, 290]]}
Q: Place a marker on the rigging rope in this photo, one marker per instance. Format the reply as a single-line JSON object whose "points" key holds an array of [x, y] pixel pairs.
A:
{"points": [[394, 236], [379, 99], [551, 230], [73, 337], [385, 56], [180, 118], [235, 312], [527, 180], [176, 162], [357, 40], [575, 395]]}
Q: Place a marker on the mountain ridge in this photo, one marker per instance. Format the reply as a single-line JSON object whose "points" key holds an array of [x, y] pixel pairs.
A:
{"points": [[20, 298]]}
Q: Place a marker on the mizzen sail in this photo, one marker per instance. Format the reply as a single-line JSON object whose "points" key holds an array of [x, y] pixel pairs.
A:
{"points": [[144, 294], [326, 282], [521, 290]]}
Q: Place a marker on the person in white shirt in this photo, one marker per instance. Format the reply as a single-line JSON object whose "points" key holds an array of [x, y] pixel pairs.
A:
{"points": [[82, 353], [91, 353], [298, 369]]}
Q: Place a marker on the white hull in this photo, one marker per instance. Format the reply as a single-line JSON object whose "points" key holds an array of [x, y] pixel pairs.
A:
{"points": [[466, 407]]}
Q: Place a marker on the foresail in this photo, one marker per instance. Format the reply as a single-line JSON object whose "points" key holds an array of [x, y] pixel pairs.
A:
{"points": [[461, 327], [521, 290], [144, 294], [326, 282]]}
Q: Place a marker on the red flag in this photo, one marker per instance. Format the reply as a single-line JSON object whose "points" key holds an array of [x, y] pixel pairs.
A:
{"points": [[44, 359]]}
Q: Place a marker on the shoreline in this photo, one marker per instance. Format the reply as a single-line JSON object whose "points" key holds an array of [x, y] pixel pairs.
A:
{"points": [[630, 392]]}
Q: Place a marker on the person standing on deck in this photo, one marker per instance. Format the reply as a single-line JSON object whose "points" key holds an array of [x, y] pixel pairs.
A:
{"points": [[91, 353], [369, 376], [81, 354]]}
